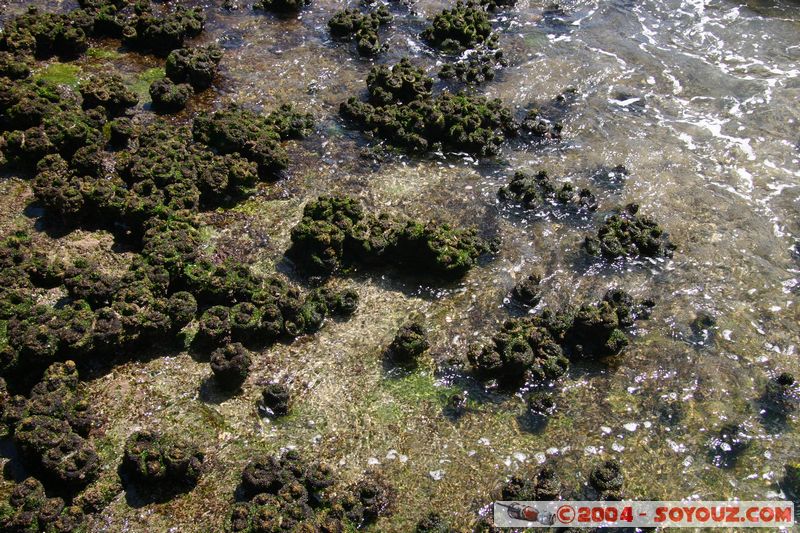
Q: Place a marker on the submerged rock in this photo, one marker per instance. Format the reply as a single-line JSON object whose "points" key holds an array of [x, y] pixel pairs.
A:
{"points": [[527, 291], [403, 111], [362, 28], [607, 480], [628, 234], [731, 441], [464, 26], [535, 191], [781, 395], [791, 480]]}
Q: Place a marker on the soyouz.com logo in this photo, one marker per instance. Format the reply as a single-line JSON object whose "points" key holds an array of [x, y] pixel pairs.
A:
{"points": [[771, 514]]}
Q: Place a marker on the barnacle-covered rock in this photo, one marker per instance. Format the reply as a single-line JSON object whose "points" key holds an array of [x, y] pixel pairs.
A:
{"points": [[231, 365], [628, 234]]}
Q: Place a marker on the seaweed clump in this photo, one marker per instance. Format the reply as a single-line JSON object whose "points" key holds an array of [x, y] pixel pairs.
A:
{"points": [[534, 191], [537, 349], [162, 31], [336, 233], [162, 462], [464, 26], [403, 111], [361, 27], [625, 233]]}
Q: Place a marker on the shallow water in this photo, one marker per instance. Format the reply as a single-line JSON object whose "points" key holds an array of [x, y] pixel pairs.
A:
{"points": [[697, 99]]}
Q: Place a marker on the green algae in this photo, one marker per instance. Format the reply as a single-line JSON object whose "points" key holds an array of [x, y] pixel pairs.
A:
{"points": [[141, 85], [103, 53], [60, 74]]}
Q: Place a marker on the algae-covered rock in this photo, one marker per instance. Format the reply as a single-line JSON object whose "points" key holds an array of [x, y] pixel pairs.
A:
{"points": [[409, 343], [161, 461], [256, 137], [162, 31], [479, 66], [361, 27], [464, 26], [276, 399], [628, 234], [336, 233], [195, 66], [168, 96], [535, 191], [109, 92], [231, 365]]}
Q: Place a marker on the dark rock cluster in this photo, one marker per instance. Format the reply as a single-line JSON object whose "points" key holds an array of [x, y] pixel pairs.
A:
{"points": [[337, 233], [537, 349], [282, 7], [360, 27], [409, 343]]}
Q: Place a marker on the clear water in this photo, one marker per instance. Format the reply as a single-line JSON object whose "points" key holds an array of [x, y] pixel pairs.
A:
{"points": [[699, 100]]}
